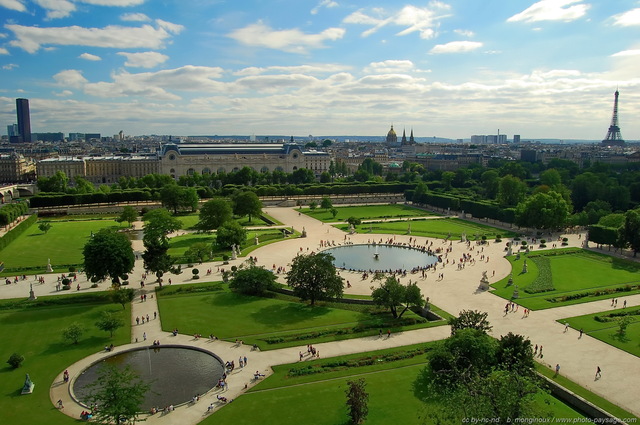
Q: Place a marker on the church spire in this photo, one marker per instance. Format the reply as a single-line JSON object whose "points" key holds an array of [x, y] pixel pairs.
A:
{"points": [[411, 139], [404, 137]]}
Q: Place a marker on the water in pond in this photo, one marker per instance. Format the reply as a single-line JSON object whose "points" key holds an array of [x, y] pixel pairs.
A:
{"points": [[389, 257], [175, 374]]}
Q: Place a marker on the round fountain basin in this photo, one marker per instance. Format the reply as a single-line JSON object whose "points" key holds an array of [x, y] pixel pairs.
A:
{"points": [[175, 374], [389, 257]]}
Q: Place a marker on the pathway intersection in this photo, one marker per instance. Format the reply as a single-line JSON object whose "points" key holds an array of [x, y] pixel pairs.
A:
{"points": [[457, 291]]}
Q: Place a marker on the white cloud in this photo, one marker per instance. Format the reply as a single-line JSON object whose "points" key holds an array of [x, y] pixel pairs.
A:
{"points": [[552, 10], [631, 52], [292, 40], [56, 8], [300, 69], [144, 59], [10, 66], [70, 78], [13, 5], [423, 20], [115, 3], [389, 67], [456, 47], [134, 17], [172, 28], [90, 57], [464, 33], [32, 39], [63, 93], [3, 51], [323, 3], [628, 18]]}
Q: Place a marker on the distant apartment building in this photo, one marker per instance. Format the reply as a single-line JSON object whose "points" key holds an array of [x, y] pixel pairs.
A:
{"points": [[99, 169], [15, 168]]}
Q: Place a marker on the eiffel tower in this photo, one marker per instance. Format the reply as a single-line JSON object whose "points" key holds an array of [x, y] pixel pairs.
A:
{"points": [[614, 138]]}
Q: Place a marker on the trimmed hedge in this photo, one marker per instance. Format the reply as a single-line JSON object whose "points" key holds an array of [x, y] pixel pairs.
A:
{"points": [[10, 212], [12, 234]]}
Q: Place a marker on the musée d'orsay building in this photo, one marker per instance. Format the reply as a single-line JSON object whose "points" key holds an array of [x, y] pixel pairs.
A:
{"points": [[179, 159]]}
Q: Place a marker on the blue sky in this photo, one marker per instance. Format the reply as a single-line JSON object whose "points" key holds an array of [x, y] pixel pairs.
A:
{"points": [[542, 69]]}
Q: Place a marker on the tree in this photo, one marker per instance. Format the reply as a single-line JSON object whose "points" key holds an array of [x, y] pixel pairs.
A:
{"points": [[511, 191], [447, 179], [326, 204], [119, 393], [354, 221], [178, 197], [213, 213], [158, 224], [199, 251], [128, 214], [73, 333], [550, 177], [630, 231], [313, 205], [15, 360], [334, 212], [623, 324], [253, 280], [490, 182], [470, 319], [231, 233], [247, 203], [122, 296], [515, 353], [108, 254], [357, 400], [56, 183], [156, 256], [44, 227], [82, 185], [314, 277], [392, 294], [543, 211], [109, 322]]}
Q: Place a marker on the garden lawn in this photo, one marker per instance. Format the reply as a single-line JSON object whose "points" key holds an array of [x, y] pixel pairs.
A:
{"points": [[441, 228], [63, 244], [366, 212], [270, 322], [36, 334], [321, 400], [189, 221], [180, 244], [608, 331], [573, 272]]}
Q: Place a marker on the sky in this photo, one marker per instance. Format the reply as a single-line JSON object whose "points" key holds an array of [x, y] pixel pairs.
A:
{"points": [[541, 69]]}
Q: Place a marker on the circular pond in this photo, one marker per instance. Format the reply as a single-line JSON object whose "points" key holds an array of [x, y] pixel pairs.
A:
{"points": [[175, 373], [380, 257]]}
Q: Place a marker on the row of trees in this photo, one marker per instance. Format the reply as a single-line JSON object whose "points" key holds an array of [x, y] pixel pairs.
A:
{"points": [[10, 212]]}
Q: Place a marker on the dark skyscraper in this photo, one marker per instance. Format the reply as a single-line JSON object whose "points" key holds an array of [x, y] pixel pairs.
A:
{"points": [[24, 119]]}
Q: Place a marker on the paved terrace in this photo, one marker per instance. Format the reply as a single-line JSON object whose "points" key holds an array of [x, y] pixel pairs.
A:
{"points": [[578, 357]]}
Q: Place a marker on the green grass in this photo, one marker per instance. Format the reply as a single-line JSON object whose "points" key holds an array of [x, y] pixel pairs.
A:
{"points": [[62, 244], [36, 334], [275, 322], [366, 212], [320, 398], [572, 271], [180, 244], [190, 220], [608, 331], [433, 228]]}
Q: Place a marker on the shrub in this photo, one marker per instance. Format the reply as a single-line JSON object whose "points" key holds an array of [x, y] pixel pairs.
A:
{"points": [[66, 287], [66, 281], [15, 360], [72, 269], [543, 282]]}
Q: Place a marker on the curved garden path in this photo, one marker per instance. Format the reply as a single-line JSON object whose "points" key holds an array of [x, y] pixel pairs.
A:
{"points": [[457, 291]]}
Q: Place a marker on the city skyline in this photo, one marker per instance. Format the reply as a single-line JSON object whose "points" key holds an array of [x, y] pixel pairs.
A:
{"points": [[541, 69]]}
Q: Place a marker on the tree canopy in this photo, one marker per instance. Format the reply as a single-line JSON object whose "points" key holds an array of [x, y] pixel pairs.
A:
{"points": [[213, 213], [119, 393], [314, 277], [392, 294], [179, 197], [231, 233], [247, 203], [108, 254], [543, 211], [253, 280], [128, 214]]}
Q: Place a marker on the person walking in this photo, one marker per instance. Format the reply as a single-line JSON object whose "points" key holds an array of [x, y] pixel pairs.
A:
{"points": [[598, 373], [566, 327], [557, 369]]}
